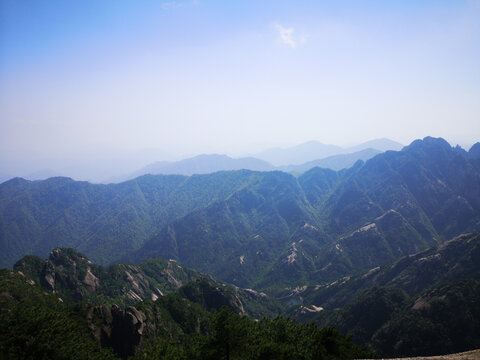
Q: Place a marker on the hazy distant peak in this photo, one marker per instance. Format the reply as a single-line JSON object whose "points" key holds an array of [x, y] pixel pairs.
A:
{"points": [[474, 152], [42, 174], [382, 144], [429, 142], [298, 154], [314, 150], [436, 141], [16, 180], [335, 162], [201, 164], [209, 156], [459, 150]]}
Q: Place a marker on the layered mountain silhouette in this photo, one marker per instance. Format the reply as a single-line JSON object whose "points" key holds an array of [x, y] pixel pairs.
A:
{"points": [[326, 224], [386, 249], [292, 160], [335, 162], [265, 230], [314, 150], [203, 164]]}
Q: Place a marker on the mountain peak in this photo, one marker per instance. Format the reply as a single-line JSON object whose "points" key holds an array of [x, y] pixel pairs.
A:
{"points": [[474, 152], [429, 143], [382, 144], [212, 156]]}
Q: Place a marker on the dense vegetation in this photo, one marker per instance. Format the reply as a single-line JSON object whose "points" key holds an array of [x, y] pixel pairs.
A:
{"points": [[70, 273], [35, 324], [445, 319], [405, 308], [259, 230], [344, 249], [235, 337], [103, 221], [38, 325], [281, 232], [427, 303]]}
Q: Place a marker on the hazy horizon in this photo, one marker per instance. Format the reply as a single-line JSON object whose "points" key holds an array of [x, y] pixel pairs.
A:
{"points": [[97, 87]]}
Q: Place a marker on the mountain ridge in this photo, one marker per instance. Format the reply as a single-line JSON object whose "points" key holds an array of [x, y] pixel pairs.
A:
{"points": [[260, 224], [385, 189], [209, 163], [429, 300], [314, 150]]}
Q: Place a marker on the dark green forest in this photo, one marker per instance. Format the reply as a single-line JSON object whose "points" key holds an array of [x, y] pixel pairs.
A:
{"points": [[381, 259], [35, 324]]}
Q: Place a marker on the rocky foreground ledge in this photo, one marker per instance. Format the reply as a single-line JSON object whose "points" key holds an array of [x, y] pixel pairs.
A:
{"points": [[467, 355]]}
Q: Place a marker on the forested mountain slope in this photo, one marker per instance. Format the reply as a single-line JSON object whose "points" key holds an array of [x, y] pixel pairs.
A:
{"points": [[427, 303], [46, 316], [104, 221], [73, 276], [283, 231], [267, 230]]}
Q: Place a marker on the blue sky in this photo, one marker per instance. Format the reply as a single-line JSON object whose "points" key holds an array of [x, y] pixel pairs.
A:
{"points": [[85, 83]]}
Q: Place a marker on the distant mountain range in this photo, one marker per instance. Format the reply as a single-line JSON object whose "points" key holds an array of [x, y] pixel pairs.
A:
{"points": [[328, 224], [317, 154], [314, 150], [203, 164], [321, 155], [37, 175], [263, 229], [387, 249], [335, 162]]}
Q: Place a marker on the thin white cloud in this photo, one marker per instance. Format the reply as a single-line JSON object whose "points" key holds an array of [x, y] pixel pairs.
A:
{"points": [[286, 35], [289, 37]]}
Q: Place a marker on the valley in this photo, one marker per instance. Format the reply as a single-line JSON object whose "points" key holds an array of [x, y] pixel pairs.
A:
{"points": [[387, 251]]}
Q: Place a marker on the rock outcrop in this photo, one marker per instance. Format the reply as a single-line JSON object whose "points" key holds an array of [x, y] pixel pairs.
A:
{"points": [[121, 330]]}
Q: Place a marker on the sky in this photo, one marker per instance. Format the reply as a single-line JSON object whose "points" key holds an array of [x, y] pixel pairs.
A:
{"points": [[91, 88]]}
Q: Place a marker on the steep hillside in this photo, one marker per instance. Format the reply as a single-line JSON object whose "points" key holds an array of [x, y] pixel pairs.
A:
{"points": [[199, 321], [36, 325], [72, 275], [239, 237], [283, 231], [427, 303], [103, 221], [454, 259], [395, 204], [267, 230]]}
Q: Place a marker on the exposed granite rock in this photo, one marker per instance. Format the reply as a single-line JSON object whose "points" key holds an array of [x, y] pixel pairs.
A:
{"points": [[91, 281], [122, 330]]}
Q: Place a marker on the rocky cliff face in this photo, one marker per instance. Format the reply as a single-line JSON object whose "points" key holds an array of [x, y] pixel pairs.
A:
{"points": [[72, 275], [70, 272], [121, 330], [454, 259], [124, 330], [212, 297]]}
